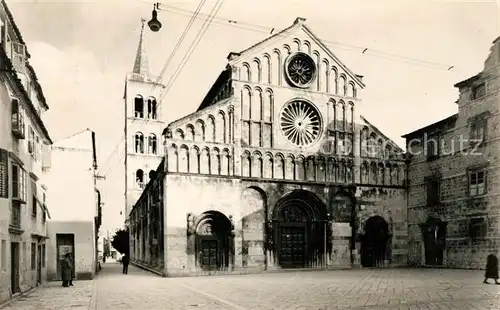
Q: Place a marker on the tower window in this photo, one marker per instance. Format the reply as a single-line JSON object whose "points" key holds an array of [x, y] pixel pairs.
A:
{"points": [[152, 144], [139, 143], [139, 178], [152, 174], [139, 107], [152, 108]]}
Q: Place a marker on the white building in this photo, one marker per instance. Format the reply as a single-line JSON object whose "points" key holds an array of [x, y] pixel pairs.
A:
{"points": [[72, 227], [24, 145]]}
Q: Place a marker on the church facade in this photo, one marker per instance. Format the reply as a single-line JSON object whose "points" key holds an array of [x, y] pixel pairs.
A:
{"points": [[276, 169]]}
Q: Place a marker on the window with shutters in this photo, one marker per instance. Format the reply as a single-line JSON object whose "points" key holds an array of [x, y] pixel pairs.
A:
{"points": [[17, 119], [4, 174], [38, 151], [477, 183], [44, 202], [34, 203], [18, 183], [31, 141]]}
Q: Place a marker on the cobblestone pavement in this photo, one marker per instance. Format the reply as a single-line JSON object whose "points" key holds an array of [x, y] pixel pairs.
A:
{"points": [[350, 289]]}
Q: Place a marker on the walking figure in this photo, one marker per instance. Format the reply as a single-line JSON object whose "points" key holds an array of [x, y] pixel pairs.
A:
{"points": [[67, 271], [125, 261], [491, 269]]}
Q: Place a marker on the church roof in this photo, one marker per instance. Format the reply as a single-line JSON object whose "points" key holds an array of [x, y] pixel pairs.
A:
{"points": [[299, 23], [141, 64]]}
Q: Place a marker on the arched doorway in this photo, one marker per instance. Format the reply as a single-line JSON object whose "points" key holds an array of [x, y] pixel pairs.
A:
{"points": [[301, 230], [214, 241], [434, 235], [374, 242]]}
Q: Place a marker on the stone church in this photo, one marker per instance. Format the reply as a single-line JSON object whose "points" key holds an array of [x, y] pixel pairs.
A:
{"points": [[276, 169]]}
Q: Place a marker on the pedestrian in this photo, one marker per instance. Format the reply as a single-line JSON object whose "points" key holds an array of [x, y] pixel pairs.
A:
{"points": [[67, 271], [125, 261], [491, 269]]}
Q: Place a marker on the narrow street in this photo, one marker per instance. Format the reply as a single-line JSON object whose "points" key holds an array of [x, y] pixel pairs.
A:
{"points": [[352, 289]]}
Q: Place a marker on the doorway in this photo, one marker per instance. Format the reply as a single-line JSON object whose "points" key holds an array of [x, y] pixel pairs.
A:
{"points": [[214, 244], [293, 246], [434, 235], [301, 231], [374, 242], [14, 267], [65, 244], [39, 265]]}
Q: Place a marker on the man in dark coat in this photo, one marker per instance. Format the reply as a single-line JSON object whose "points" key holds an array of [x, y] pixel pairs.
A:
{"points": [[67, 271], [491, 269], [125, 261]]}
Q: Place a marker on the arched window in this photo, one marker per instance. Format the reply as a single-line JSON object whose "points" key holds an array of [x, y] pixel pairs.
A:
{"points": [[139, 178], [152, 144], [152, 108], [139, 142], [138, 106], [152, 174]]}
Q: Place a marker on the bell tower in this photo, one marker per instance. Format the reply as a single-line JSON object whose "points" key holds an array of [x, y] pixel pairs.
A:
{"points": [[143, 126]]}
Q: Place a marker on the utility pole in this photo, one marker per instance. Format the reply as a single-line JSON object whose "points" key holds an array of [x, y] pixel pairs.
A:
{"points": [[98, 218]]}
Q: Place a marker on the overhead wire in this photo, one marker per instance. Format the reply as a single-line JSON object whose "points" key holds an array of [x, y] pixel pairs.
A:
{"points": [[361, 49], [267, 29], [181, 39], [192, 47], [160, 77]]}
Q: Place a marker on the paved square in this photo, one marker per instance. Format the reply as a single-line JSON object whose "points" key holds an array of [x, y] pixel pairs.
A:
{"points": [[349, 289]]}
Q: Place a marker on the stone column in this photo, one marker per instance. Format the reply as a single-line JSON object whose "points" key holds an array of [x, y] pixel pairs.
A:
{"points": [[238, 243]]}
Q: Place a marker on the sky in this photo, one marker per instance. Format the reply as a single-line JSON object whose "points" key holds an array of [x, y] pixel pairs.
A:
{"points": [[82, 50]]}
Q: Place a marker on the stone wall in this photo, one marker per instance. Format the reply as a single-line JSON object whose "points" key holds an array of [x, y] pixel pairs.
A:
{"points": [[465, 246], [249, 204], [390, 204]]}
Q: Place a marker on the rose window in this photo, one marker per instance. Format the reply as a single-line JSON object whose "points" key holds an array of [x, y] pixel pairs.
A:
{"points": [[300, 123], [300, 70]]}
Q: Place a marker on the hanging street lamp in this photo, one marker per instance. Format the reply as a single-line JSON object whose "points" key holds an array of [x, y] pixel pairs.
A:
{"points": [[154, 24]]}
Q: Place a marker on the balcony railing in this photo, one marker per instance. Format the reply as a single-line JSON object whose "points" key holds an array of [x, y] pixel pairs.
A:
{"points": [[15, 217]]}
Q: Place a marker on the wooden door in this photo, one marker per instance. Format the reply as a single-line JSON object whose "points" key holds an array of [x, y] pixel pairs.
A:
{"points": [[14, 267], [39, 264], [209, 254], [292, 247]]}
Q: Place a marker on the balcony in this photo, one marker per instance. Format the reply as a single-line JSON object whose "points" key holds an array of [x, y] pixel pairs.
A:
{"points": [[17, 121], [15, 219]]}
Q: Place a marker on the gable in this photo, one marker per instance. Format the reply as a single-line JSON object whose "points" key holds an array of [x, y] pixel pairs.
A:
{"points": [[295, 38], [370, 134]]}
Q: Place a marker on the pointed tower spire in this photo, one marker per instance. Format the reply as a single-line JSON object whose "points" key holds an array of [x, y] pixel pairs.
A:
{"points": [[141, 65]]}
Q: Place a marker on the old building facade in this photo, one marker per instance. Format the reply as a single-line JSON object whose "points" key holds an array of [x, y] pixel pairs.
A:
{"points": [[453, 178], [72, 183], [24, 150], [276, 169]]}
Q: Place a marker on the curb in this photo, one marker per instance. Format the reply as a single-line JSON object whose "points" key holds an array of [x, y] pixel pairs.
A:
{"points": [[18, 295], [147, 269], [94, 298]]}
